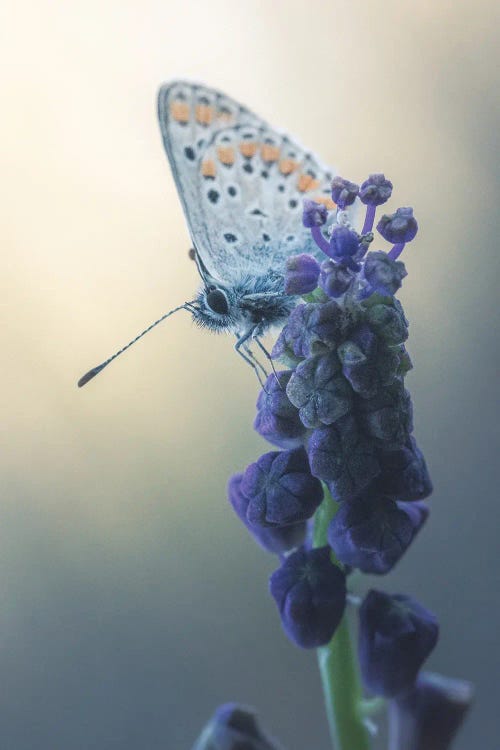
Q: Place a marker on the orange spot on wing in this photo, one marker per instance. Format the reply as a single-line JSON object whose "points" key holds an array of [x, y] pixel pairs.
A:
{"points": [[248, 148], [204, 114], [306, 183], [208, 168], [269, 153], [179, 110], [225, 116], [326, 201], [226, 154], [287, 166]]}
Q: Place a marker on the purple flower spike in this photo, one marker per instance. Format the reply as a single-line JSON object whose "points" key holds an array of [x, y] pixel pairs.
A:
{"points": [[399, 227], [344, 193], [314, 214], [310, 592], [396, 635], [345, 246], [273, 539], [234, 727], [429, 716], [277, 418], [375, 190], [302, 273], [280, 489], [373, 533]]}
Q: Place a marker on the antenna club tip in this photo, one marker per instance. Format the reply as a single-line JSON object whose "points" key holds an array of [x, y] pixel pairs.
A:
{"points": [[89, 375]]}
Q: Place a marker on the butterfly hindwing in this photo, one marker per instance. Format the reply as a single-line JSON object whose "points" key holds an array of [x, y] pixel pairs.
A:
{"points": [[241, 183]]}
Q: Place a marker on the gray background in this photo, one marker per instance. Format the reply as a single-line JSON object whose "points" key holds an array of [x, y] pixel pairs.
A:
{"points": [[132, 601]]}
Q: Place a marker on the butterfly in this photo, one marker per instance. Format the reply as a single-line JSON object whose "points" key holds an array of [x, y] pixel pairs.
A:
{"points": [[241, 184]]}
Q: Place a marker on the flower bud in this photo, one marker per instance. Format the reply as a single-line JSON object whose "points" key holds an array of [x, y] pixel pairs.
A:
{"points": [[344, 193], [314, 214], [276, 539], [388, 322], [373, 533], [400, 226], [280, 489], [396, 635], [319, 391], [375, 190], [335, 279], [277, 418], [367, 363], [234, 727], [429, 716], [388, 415], [310, 592], [302, 273], [313, 328], [343, 458], [344, 246], [404, 474], [382, 274]]}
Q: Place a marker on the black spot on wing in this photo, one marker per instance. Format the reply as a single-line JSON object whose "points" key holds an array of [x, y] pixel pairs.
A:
{"points": [[230, 237], [232, 191], [213, 196], [189, 153], [248, 168]]}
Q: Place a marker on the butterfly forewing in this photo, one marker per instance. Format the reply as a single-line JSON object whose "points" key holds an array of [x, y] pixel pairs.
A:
{"points": [[242, 184]]}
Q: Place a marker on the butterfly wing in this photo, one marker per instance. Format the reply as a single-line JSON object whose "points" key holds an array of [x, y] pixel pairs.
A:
{"points": [[241, 183]]}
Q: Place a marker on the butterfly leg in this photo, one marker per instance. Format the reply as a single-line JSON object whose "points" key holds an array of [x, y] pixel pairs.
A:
{"points": [[269, 359], [249, 358]]}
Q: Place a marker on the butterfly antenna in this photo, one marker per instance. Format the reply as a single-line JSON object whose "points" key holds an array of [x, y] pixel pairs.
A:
{"points": [[96, 370]]}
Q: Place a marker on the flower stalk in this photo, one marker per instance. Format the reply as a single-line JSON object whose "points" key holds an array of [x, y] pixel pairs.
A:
{"points": [[338, 663]]}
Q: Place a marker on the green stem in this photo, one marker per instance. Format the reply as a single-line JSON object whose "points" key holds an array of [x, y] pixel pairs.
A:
{"points": [[338, 664]]}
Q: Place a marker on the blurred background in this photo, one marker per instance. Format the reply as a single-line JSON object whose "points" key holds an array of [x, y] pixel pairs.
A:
{"points": [[132, 600]]}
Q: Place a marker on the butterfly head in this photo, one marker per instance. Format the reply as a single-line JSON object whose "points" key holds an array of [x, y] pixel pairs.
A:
{"points": [[241, 308], [215, 308]]}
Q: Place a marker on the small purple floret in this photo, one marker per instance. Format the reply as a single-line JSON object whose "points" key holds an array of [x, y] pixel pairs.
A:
{"points": [[319, 391], [399, 227], [280, 489], [376, 190], [302, 273], [382, 274], [373, 533], [277, 418], [429, 716], [404, 475], [234, 727], [335, 279], [396, 635], [314, 214], [344, 246], [310, 592], [344, 193], [277, 539]]}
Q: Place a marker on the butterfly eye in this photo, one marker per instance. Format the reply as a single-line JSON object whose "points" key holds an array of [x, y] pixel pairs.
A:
{"points": [[217, 301]]}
